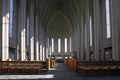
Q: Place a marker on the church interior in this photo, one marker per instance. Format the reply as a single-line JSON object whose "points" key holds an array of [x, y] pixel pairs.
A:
{"points": [[60, 39]]}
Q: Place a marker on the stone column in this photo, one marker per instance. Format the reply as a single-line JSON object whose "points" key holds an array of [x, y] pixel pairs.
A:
{"points": [[75, 41], [55, 47], [87, 30], [40, 39], [63, 46], [43, 57], [79, 40], [102, 31], [68, 45], [41, 46], [15, 29], [50, 47], [0, 30], [18, 30], [115, 25], [82, 39], [82, 35], [43, 42], [5, 29], [47, 47], [78, 43], [36, 37], [42, 54], [31, 30], [23, 29], [97, 25]]}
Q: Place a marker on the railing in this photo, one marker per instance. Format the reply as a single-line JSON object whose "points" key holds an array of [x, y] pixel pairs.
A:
{"points": [[20, 66], [105, 67]]}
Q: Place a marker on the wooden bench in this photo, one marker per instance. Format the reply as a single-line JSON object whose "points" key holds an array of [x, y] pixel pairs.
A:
{"points": [[21, 66], [103, 67]]}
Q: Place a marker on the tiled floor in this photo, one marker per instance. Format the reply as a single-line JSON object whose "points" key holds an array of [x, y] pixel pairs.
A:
{"points": [[58, 72]]}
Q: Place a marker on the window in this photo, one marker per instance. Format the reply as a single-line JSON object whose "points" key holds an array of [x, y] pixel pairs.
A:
{"points": [[65, 45], [108, 19], [10, 18], [91, 43], [28, 30], [50, 50], [70, 44], [85, 35], [59, 45], [52, 45]]}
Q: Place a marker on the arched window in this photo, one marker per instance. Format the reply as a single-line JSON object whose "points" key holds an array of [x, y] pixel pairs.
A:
{"points": [[59, 45], [91, 43], [70, 45], [107, 3], [65, 45], [10, 18], [28, 21], [52, 45]]}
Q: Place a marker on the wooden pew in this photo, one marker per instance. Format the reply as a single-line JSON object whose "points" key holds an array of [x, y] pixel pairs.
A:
{"points": [[37, 66], [21, 66], [28, 67], [5, 67], [103, 67]]}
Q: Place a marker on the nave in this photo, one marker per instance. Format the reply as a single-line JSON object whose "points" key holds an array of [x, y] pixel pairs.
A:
{"points": [[84, 34], [58, 72]]}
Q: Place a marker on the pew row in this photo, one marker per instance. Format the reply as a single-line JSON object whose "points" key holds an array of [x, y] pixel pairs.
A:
{"points": [[105, 67], [21, 66]]}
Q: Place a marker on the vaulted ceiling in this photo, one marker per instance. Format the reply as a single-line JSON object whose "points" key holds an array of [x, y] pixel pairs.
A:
{"points": [[59, 17]]}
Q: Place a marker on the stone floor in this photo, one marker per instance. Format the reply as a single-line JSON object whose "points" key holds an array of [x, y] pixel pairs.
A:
{"points": [[58, 72]]}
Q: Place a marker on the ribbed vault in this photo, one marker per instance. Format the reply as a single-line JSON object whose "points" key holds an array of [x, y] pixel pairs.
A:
{"points": [[59, 25], [58, 16]]}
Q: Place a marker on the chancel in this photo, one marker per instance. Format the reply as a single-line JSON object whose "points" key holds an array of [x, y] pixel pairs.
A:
{"points": [[60, 39]]}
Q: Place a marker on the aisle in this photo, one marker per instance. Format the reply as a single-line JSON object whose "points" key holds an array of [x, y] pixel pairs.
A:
{"points": [[58, 72], [61, 72]]}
